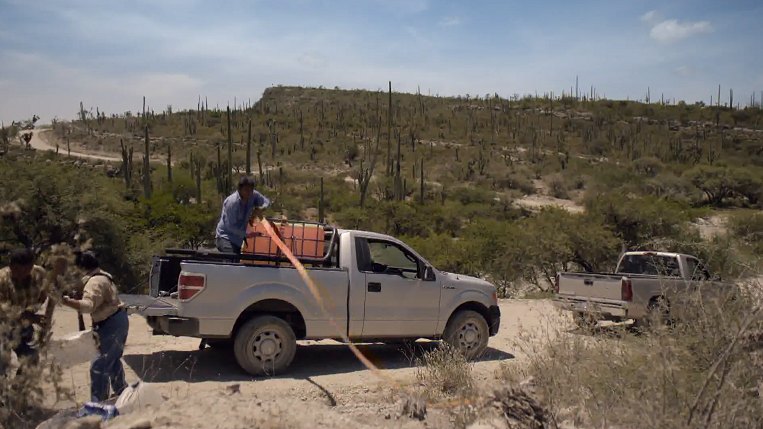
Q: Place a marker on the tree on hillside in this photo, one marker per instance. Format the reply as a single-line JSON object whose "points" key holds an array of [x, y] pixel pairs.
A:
{"points": [[714, 181]]}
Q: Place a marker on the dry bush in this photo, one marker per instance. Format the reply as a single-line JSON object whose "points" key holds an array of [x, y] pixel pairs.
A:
{"points": [[23, 396], [558, 187], [444, 372], [703, 371]]}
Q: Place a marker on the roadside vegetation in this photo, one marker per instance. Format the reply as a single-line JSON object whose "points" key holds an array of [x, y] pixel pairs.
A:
{"points": [[452, 177]]}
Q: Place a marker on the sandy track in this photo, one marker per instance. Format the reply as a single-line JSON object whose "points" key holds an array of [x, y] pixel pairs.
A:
{"points": [[41, 141], [325, 380]]}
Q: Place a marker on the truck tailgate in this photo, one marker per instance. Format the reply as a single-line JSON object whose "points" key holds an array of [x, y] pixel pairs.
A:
{"points": [[147, 306], [590, 286]]}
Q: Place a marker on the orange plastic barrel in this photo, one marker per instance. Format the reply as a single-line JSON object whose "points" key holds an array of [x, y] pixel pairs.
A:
{"points": [[304, 240]]}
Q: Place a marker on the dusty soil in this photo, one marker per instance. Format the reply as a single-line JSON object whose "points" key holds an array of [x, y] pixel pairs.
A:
{"points": [[325, 387], [43, 140]]}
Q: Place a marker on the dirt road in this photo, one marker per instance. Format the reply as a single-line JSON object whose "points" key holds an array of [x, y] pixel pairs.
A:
{"points": [[41, 141], [326, 384]]}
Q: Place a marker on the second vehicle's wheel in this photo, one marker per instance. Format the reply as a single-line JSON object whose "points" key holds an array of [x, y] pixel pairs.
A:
{"points": [[265, 345], [467, 331], [585, 321], [657, 315]]}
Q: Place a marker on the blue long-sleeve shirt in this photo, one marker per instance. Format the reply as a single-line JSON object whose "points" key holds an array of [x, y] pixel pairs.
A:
{"points": [[235, 214]]}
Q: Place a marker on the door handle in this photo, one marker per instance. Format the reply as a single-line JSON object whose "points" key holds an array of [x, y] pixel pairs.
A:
{"points": [[588, 282], [374, 287]]}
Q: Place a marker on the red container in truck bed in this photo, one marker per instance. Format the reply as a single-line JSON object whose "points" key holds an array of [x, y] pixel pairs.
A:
{"points": [[305, 240]]}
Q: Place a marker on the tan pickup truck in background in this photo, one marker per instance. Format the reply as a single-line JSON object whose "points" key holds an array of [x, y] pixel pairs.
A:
{"points": [[646, 286]]}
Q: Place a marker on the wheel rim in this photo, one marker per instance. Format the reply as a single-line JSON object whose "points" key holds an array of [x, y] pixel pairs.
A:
{"points": [[468, 337], [267, 346]]}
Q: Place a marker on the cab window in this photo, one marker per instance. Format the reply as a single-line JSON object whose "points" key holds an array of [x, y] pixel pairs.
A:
{"points": [[385, 257]]}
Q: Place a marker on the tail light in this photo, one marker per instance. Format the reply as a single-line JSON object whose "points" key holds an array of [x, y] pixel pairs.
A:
{"points": [[626, 289], [189, 285], [556, 283]]}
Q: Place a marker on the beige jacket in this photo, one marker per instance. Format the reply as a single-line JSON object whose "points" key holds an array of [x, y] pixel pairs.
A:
{"points": [[100, 297]]}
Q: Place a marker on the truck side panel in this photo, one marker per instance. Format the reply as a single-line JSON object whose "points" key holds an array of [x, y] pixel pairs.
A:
{"points": [[231, 289]]}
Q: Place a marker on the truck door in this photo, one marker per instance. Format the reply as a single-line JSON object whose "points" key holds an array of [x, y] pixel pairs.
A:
{"points": [[399, 302]]}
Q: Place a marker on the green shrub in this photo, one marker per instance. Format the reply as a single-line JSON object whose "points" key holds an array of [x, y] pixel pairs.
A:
{"points": [[558, 187], [748, 227], [636, 220]]}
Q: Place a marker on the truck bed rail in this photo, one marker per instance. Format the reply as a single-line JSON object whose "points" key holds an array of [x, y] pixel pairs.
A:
{"points": [[329, 243]]}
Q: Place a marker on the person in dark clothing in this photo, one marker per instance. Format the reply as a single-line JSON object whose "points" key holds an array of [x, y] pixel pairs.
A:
{"points": [[24, 288]]}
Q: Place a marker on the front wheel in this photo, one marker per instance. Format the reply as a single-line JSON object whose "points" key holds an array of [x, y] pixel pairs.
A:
{"points": [[265, 345], [467, 332]]}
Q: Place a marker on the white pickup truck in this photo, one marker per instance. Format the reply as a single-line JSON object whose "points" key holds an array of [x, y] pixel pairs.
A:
{"points": [[375, 288], [645, 285]]}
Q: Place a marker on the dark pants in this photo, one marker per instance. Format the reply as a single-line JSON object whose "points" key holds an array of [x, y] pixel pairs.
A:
{"points": [[107, 368], [225, 246], [22, 337]]}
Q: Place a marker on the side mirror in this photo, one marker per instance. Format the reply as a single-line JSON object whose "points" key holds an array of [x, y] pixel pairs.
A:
{"points": [[429, 274], [378, 268]]}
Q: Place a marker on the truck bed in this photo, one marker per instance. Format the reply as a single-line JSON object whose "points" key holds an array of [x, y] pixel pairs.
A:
{"points": [[596, 286]]}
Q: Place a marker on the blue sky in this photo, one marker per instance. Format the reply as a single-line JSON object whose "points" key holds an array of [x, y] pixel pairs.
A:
{"points": [[54, 54]]}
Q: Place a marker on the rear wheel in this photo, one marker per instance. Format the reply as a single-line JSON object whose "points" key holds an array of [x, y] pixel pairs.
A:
{"points": [[585, 320], [657, 314], [265, 345], [467, 331]]}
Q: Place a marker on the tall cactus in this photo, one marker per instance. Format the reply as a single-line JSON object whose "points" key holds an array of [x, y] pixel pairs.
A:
{"points": [[389, 132], [146, 167], [229, 176], [127, 165], [321, 205], [249, 150], [219, 170], [169, 162], [196, 173], [422, 181]]}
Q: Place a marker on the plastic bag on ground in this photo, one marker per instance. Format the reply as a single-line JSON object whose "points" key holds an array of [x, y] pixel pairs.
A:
{"points": [[139, 396], [73, 349]]}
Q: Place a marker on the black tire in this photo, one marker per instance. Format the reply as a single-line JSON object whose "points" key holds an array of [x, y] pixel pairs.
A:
{"points": [[584, 320], [467, 331], [657, 314], [265, 345]]}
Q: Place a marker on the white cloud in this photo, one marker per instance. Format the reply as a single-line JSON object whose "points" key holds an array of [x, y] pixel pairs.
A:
{"points": [[672, 30], [651, 17], [450, 21], [685, 71]]}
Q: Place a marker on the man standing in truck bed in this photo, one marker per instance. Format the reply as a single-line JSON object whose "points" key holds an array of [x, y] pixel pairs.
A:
{"points": [[236, 212]]}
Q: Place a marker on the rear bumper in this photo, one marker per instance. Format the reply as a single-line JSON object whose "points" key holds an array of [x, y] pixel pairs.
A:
{"points": [[606, 308], [494, 322], [175, 326]]}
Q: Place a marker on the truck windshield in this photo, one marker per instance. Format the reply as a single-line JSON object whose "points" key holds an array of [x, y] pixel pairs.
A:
{"points": [[649, 264]]}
